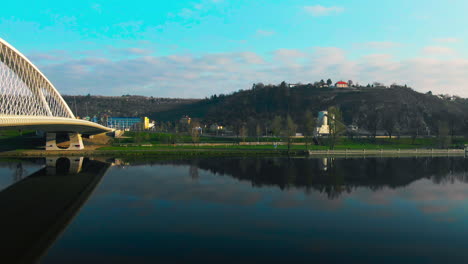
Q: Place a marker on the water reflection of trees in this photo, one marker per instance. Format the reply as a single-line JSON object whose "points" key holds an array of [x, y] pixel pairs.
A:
{"points": [[19, 167], [330, 175]]}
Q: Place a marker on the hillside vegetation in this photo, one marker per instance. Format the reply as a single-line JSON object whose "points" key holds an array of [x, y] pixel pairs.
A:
{"points": [[126, 105], [395, 110]]}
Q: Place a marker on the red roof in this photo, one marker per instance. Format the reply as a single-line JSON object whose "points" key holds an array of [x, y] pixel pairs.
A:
{"points": [[341, 82]]}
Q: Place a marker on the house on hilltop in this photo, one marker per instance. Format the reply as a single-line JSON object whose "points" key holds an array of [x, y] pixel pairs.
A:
{"points": [[342, 84]]}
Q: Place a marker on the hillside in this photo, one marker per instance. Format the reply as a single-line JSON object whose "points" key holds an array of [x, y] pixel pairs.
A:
{"points": [[395, 110], [128, 106]]}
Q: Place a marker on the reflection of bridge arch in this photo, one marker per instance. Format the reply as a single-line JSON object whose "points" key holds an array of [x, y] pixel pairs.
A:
{"points": [[38, 208], [28, 100]]}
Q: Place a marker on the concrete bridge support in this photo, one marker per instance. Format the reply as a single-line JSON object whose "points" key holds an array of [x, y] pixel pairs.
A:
{"points": [[76, 142]]}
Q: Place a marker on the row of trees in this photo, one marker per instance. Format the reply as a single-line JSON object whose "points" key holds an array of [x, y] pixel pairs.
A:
{"points": [[274, 110], [287, 127]]}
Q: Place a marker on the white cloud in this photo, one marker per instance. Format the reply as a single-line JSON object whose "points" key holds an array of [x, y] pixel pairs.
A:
{"points": [[438, 50], [250, 57], [448, 40], [319, 10], [187, 75]]}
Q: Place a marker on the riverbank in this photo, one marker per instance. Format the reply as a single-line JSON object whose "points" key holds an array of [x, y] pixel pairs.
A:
{"points": [[29, 145], [155, 152]]}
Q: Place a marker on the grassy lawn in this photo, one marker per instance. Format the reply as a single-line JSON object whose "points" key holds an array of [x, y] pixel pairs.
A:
{"points": [[169, 138], [166, 141], [135, 141]]}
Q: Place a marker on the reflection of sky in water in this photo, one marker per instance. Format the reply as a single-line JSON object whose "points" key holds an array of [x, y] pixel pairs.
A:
{"points": [[143, 214], [11, 172]]}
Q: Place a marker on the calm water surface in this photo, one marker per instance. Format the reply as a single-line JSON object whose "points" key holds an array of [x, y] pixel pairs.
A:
{"points": [[235, 210]]}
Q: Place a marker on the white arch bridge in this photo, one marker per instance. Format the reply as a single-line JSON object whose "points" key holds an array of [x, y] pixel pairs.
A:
{"points": [[28, 100]]}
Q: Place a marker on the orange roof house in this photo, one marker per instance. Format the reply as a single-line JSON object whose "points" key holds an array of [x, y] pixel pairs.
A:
{"points": [[342, 84]]}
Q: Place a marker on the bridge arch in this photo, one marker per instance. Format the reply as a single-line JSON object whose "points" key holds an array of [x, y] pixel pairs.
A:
{"points": [[28, 100], [25, 90]]}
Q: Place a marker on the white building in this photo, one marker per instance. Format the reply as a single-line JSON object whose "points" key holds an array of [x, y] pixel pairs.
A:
{"points": [[323, 127]]}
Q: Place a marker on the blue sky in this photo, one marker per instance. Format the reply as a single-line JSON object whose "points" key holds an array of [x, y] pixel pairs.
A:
{"points": [[198, 48]]}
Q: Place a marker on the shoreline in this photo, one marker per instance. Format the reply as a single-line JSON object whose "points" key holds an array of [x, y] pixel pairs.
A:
{"points": [[236, 152]]}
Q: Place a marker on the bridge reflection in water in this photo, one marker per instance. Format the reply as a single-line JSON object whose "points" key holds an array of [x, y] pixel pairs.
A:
{"points": [[36, 209]]}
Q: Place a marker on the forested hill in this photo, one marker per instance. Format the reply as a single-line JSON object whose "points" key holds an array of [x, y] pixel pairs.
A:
{"points": [[127, 105], [395, 110]]}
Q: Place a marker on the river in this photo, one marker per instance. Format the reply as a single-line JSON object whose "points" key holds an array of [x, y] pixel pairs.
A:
{"points": [[234, 210]]}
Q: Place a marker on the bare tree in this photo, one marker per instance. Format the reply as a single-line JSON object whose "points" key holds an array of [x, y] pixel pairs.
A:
{"points": [[290, 130], [195, 131], [243, 132], [444, 137], [258, 132], [336, 125], [277, 125], [389, 119], [309, 127]]}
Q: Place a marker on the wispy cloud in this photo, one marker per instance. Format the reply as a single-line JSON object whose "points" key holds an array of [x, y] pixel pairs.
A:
{"points": [[319, 10], [61, 19], [265, 33], [96, 7], [133, 51], [438, 50], [187, 75], [448, 40], [195, 10], [52, 56], [187, 13], [378, 45]]}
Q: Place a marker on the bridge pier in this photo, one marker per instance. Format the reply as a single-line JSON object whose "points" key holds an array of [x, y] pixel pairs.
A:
{"points": [[65, 165], [76, 142]]}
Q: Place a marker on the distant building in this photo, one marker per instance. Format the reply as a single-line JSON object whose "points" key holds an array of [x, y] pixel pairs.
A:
{"points": [[292, 85], [95, 119], [128, 123], [323, 127], [216, 127], [342, 84], [185, 120], [198, 129], [146, 123], [151, 125]]}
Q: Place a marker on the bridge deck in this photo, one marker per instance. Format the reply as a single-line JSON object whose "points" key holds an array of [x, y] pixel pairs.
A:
{"points": [[51, 124]]}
